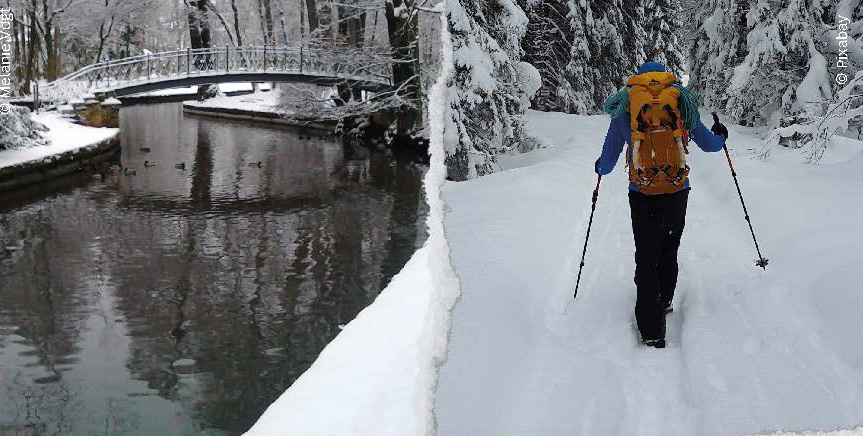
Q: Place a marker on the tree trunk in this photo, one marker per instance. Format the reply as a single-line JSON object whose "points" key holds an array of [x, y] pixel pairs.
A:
{"points": [[18, 49], [199, 35], [199, 24], [403, 42], [266, 12], [32, 49], [351, 30], [48, 36], [53, 53], [236, 23], [284, 27], [312, 10]]}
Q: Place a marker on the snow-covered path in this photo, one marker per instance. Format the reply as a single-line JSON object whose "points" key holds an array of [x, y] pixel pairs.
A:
{"points": [[750, 351]]}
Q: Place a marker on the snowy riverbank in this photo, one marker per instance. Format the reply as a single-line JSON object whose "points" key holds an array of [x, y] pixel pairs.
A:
{"points": [[750, 351], [192, 91], [260, 102], [259, 106], [67, 144]]}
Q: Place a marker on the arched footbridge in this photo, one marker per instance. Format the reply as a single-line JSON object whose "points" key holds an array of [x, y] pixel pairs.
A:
{"points": [[358, 68]]}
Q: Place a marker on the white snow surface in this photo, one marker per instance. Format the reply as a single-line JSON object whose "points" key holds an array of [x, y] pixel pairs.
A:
{"points": [[750, 351], [264, 102], [193, 90], [62, 136]]}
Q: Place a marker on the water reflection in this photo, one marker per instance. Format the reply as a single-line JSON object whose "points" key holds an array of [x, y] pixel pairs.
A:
{"points": [[180, 301]]}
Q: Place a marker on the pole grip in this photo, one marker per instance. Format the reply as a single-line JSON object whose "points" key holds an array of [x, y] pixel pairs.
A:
{"points": [[596, 190]]}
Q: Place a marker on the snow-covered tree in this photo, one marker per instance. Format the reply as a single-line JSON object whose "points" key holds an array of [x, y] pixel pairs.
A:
{"points": [[768, 63], [484, 103], [663, 22], [815, 129], [578, 70], [547, 46], [718, 45], [609, 41]]}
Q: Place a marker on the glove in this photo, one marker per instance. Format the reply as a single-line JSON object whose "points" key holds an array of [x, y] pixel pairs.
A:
{"points": [[718, 128], [596, 167]]}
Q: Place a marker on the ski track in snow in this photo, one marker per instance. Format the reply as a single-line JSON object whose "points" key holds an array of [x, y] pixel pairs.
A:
{"points": [[749, 351]]}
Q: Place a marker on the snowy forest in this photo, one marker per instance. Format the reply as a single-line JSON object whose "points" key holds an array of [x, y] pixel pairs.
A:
{"points": [[51, 38], [788, 67]]}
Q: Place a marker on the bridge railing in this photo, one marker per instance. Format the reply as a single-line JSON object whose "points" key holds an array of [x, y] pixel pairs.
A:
{"points": [[345, 63]]}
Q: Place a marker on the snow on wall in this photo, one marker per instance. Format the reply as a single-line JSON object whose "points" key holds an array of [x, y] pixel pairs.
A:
{"points": [[60, 136]]}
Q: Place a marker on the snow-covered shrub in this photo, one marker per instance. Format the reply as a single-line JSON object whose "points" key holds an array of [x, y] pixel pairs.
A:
{"points": [[305, 100], [531, 81], [484, 104], [17, 130], [813, 130]]}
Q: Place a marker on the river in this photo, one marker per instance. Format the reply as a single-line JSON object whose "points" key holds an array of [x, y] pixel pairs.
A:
{"points": [[182, 301]]}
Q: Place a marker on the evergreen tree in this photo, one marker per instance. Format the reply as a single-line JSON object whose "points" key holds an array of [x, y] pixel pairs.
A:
{"points": [[579, 68], [484, 104], [547, 46], [768, 64], [663, 23], [615, 40], [718, 46]]}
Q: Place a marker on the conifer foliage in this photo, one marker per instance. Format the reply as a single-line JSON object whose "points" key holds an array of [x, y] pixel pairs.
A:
{"points": [[548, 46], [663, 24], [484, 103], [776, 64]]}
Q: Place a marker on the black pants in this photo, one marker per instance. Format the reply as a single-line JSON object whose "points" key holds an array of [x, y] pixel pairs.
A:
{"points": [[657, 224]]}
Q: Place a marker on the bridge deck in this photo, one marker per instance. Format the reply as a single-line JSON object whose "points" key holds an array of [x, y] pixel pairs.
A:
{"points": [[181, 68]]}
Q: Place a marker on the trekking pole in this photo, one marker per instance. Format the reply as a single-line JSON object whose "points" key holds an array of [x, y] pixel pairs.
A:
{"points": [[589, 223], [762, 262]]}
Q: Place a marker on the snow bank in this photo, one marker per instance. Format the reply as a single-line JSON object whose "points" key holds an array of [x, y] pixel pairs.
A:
{"points": [[62, 136], [749, 351], [378, 376]]}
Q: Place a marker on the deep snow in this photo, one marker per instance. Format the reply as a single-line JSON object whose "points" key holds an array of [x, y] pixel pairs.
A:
{"points": [[750, 351]]}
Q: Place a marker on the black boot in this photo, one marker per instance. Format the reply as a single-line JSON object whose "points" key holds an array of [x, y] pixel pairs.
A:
{"points": [[655, 343]]}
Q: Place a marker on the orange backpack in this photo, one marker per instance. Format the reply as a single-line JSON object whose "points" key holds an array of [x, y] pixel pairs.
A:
{"points": [[658, 147]]}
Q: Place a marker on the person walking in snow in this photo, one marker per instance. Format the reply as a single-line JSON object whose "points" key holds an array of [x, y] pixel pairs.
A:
{"points": [[655, 116]]}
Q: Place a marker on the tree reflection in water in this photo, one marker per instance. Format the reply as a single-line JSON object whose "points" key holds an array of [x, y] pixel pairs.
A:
{"points": [[180, 301]]}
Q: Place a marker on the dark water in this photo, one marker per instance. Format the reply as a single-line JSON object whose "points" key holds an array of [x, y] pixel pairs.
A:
{"points": [[179, 302]]}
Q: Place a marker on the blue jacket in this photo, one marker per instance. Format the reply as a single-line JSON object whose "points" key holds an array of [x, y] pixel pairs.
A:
{"points": [[619, 133]]}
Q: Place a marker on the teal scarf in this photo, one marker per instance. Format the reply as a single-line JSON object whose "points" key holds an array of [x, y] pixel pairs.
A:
{"points": [[618, 103]]}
